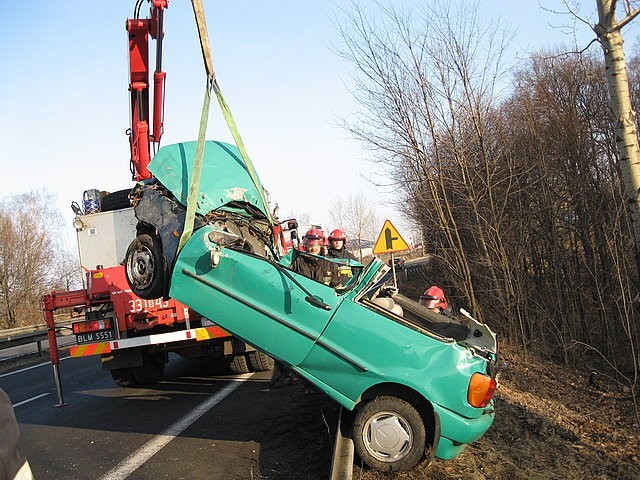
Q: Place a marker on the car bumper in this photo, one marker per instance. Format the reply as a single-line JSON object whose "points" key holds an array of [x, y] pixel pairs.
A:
{"points": [[457, 432]]}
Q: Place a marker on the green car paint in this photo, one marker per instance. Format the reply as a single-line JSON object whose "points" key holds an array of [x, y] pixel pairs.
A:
{"points": [[340, 340], [224, 179], [345, 351]]}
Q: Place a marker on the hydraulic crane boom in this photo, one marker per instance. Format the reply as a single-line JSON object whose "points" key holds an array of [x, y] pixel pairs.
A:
{"points": [[140, 137]]}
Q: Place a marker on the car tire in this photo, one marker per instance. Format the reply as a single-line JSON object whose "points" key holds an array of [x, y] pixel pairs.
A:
{"points": [[389, 434], [145, 266], [151, 371], [123, 377], [115, 201], [260, 361], [238, 364]]}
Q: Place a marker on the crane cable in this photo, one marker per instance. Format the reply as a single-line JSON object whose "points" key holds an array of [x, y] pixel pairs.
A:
{"points": [[212, 84]]}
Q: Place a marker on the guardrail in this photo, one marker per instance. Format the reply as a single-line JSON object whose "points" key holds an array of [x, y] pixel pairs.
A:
{"points": [[15, 337]]}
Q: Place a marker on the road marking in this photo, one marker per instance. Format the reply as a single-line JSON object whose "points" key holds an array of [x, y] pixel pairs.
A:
{"points": [[144, 453], [30, 399], [29, 368]]}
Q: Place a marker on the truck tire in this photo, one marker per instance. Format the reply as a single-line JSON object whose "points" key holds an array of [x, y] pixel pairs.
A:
{"points": [[115, 201], [123, 377], [151, 371], [260, 361], [238, 364], [144, 267]]}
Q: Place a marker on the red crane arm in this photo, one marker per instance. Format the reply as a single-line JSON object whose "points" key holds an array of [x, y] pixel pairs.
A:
{"points": [[140, 137]]}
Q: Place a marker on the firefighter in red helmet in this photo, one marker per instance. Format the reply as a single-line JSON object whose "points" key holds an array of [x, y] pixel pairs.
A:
{"points": [[313, 241], [315, 266], [338, 245], [434, 299]]}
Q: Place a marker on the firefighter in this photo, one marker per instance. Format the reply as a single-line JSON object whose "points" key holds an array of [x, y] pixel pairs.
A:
{"points": [[316, 267], [434, 299], [338, 245]]}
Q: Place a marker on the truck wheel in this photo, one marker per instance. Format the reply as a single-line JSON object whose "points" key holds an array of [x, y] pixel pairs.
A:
{"points": [[260, 361], [115, 201], [238, 364], [151, 371], [123, 377], [389, 434], [144, 267]]}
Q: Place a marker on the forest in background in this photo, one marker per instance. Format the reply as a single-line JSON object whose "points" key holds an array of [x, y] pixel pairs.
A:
{"points": [[512, 176]]}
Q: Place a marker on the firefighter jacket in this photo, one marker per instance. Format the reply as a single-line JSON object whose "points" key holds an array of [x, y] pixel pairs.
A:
{"points": [[318, 269], [342, 253]]}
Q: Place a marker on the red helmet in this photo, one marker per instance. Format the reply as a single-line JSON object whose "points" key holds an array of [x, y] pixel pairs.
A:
{"points": [[433, 297], [314, 236], [338, 234]]}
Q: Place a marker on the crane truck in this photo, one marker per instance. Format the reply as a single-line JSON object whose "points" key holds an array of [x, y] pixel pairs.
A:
{"points": [[134, 335]]}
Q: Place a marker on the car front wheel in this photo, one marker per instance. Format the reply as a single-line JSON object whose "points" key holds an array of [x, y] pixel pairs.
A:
{"points": [[144, 267], [389, 434]]}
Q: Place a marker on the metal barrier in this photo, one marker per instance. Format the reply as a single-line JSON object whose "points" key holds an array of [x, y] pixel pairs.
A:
{"points": [[15, 337], [342, 462]]}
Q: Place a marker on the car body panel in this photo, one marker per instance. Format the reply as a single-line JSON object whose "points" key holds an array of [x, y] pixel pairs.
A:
{"points": [[344, 351], [224, 177], [277, 313], [350, 342]]}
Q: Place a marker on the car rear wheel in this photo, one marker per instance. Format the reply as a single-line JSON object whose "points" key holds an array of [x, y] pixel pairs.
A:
{"points": [[144, 266], [389, 434]]}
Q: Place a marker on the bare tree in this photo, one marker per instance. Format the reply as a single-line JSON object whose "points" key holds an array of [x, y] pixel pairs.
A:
{"points": [[427, 84], [30, 249], [356, 216]]}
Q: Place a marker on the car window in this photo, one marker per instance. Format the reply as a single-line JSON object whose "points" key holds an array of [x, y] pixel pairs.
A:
{"points": [[351, 271]]}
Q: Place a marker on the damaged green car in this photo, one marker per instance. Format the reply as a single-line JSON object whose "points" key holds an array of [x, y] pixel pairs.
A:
{"points": [[419, 384]]}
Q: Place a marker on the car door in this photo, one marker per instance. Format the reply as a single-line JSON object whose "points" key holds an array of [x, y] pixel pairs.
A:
{"points": [[253, 298]]}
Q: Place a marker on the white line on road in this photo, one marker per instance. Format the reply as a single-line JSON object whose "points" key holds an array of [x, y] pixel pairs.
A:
{"points": [[29, 368], [144, 453], [30, 399]]}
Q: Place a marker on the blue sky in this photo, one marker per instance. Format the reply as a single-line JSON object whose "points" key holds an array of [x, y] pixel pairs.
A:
{"points": [[65, 101]]}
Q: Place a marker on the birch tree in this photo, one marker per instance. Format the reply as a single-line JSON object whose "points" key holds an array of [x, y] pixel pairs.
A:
{"points": [[609, 32]]}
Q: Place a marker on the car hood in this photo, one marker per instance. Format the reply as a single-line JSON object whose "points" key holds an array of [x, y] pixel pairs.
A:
{"points": [[224, 179]]}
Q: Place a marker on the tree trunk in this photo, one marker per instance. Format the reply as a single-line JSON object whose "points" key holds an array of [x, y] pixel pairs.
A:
{"points": [[609, 33]]}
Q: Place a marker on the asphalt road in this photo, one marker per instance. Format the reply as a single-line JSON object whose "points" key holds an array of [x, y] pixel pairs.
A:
{"points": [[197, 423]]}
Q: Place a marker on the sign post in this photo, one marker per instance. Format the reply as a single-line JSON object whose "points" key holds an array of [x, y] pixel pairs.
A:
{"points": [[390, 241]]}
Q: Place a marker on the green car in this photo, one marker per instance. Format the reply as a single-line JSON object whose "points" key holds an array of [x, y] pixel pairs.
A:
{"points": [[419, 384]]}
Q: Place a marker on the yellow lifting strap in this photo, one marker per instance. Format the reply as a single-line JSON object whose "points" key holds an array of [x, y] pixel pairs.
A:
{"points": [[212, 84]]}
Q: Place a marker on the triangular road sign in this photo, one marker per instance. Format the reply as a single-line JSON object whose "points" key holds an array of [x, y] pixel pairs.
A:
{"points": [[389, 240]]}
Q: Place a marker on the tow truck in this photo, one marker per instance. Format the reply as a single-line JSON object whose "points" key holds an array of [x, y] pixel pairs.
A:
{"points": [[134, 335]]}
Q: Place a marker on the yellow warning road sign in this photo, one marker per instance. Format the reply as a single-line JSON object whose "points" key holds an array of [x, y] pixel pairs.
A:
{"points": [[389, 240]]}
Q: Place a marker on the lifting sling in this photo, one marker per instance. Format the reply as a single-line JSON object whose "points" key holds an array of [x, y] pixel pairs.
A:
{"points": [[212, 84]]}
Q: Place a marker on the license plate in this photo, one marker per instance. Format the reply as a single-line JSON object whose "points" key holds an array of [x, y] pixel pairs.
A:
{"points": [[90, 337]]}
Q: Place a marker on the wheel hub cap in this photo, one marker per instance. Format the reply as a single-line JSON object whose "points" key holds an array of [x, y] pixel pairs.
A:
{"points": [[388, 436]]}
